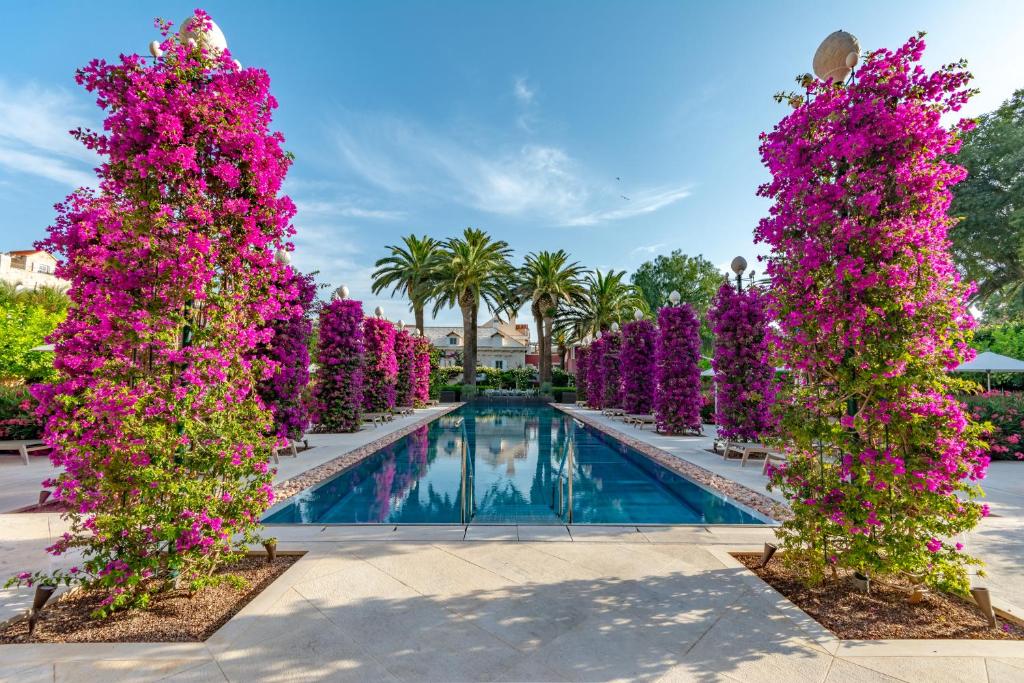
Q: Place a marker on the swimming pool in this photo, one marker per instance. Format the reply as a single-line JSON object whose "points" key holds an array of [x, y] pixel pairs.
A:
{"points": [[520, 464]]}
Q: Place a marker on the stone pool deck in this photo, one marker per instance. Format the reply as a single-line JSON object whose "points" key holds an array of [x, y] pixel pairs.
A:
{"points": [[516, 603]]}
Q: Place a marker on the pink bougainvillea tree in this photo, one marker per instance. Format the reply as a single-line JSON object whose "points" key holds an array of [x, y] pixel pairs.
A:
{"points": [[872, 315], [340, 356], [611, 375], [285, 392], [582, 368], [637, 363], [405, 379], [421, 376], [676, 361], [380, 369], [595, 376], [154, 419], [744, 371]]}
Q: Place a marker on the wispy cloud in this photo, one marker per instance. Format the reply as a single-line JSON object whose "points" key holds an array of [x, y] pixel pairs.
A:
{"points": [[34, 125], [408, 160], [343, 209], [638, 204], [522, 90], [648, 248]]}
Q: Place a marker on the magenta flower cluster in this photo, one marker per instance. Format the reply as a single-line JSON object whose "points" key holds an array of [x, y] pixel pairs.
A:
{"points": [[154, 420], [871, 315], [744, 372], [405, 380], [676, 360], [595, 374], [284, 393], [582, 372], [339, 383], [421, 380], [380, 365], [611, 377], [637, 363]]}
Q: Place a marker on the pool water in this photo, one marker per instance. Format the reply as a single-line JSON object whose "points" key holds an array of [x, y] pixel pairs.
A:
{"points": [[508, 465]]}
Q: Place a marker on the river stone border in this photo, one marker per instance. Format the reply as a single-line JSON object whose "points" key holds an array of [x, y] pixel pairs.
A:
{"points": [[727, 487], [300, 482]]}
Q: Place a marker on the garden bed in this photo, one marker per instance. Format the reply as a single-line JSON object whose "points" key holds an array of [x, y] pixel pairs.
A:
{"points": [[172, 617], [882, 614]]}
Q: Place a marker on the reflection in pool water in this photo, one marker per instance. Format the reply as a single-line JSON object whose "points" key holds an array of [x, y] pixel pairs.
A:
{"points": [[508, 464]]}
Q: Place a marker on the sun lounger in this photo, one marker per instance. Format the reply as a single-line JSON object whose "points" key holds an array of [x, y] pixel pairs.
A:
{"points": [[24, 447], [745, 451], [772, 457], [376, 419], [638, 420]]}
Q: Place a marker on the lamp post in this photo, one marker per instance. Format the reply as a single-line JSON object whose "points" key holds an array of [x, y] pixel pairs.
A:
{"points": [[738, 265]]}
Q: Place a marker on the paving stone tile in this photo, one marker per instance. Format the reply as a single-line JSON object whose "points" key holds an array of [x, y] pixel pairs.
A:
{"points": [[132, 670], [1005, 670], [945, 669], [844, 671]]}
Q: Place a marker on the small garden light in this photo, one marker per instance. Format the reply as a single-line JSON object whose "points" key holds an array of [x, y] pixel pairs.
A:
{"points": [[674, 298], [379, 312], [282, 257], [341, 293]]}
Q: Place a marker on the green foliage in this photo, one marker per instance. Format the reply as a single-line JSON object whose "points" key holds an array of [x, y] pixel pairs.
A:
{"points": [[26, 318], [561, 378], [408, 270], [547, 281], [607, 299], [988, 243], [694, 277]]}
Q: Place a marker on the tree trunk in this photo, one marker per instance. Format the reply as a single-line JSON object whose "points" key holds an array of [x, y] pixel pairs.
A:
{"points": [[538, 319], [469, 313], [417, 311], [548, 345]]}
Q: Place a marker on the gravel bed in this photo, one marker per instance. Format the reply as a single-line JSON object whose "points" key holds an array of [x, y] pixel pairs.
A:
{"points": [[174, 616], [882, 614]]}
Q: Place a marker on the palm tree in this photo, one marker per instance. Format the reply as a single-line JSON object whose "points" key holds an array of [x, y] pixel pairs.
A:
{"points": [[607, 299], [471, 268], [407, 271], [545, 280]]}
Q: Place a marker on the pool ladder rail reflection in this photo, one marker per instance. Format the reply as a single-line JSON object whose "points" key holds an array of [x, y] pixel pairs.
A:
{"points": [[561, 487]]}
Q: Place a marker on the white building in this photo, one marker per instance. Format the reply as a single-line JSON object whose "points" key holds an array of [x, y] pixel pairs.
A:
{"points": [[30, 269], [499, 344]]}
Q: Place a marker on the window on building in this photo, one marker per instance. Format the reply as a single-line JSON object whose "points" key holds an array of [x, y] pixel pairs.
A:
{"points": [[499, 365], [42, 268], [452, 341]]}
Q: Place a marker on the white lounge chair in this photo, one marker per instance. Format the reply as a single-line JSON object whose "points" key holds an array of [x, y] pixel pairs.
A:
{"points": [[23, 446]]}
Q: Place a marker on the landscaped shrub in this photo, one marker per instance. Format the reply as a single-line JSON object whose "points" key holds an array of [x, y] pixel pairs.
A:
{"points": [[744, 372], [582, 370], [423, 371], [154, 418], [18, 419], [1004, 410], [678, 402], [284, 392], [611, 375], [637, 362], [380, 366], [872, 314], [339, 378], [27, 317], [405, 380], [560, 378], [595, 374]]}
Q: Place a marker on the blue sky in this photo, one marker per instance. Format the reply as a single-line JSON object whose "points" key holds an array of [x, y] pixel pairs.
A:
{"points": [[531, 120]]}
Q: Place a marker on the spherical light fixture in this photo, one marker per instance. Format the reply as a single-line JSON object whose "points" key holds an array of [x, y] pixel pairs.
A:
{"points": [[674, 298], [341, 293], [637, 314], [738, 265], [212, 39], [400, 325], [379, 312], [154, 49], [615, 327], [238, 64], [836, 57], [282, 257]]}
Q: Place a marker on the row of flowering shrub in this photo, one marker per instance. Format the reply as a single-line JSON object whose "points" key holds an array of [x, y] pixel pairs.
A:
{"points": [[1004, 411]]}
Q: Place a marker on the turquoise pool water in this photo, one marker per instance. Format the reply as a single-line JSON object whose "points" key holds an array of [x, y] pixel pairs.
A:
{"points": [[508, 465]]}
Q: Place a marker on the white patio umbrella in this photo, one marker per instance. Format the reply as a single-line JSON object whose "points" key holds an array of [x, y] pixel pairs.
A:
{"points": [[988, 363], [44, 347]]}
